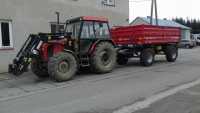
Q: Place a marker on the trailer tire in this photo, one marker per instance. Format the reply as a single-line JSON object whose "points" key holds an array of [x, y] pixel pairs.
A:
{"points": [[103, 59], [147, 57], [171, 53], [38, 70], [187, 46], [62, 67], [122, 59]]}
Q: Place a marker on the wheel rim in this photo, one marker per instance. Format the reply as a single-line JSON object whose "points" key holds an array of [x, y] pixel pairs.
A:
{"points": [[174, 55], [63, 67], [150, 59], [105, 58]]}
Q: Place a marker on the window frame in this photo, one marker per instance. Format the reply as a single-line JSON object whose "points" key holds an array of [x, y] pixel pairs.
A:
{"points": [[10, 35], [108, 3]]}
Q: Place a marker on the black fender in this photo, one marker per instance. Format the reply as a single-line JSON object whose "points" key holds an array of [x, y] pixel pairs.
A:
{"points": [[93, 46], [73, 53]]}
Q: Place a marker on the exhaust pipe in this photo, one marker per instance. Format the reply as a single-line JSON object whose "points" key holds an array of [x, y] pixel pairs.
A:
{"points": [[58, 22]]}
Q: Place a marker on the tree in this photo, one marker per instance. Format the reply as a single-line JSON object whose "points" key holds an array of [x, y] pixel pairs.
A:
{"points": [[193, 23]]}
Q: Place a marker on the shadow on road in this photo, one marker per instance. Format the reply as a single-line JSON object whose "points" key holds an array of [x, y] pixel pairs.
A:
{"points": [[29, 79]]}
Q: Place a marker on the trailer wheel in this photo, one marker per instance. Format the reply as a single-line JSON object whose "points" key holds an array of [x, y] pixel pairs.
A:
{"points": [[103, 59], [62, 67], [147, 57], [171, 53], [122, 59], [38, 68]]}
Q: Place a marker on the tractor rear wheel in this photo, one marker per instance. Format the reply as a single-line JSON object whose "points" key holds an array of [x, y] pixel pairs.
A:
{"points": [[103, 59], [38, 68], [62, 67], [171, 53], [147, 57]]}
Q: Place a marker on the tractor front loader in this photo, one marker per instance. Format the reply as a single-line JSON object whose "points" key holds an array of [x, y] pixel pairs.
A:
{"points": [[34, 50]]}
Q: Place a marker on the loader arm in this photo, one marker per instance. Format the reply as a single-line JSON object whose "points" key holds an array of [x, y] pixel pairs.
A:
{"points": [[22, 59]]}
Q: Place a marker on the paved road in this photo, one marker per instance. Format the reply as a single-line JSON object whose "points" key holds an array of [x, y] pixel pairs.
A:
{"points": [[185, 101], [91, 93]]}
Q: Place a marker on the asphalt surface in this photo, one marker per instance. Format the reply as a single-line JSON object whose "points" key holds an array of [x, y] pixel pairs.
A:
{"points": [[186, 101], [93, 93]]}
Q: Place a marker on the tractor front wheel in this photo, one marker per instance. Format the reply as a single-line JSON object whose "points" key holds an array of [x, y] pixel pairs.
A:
{"points": [[62, 67], [103, 59]]}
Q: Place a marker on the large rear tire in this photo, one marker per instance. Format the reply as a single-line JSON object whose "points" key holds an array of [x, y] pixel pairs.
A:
{"points": [[147, 57], [103, 59], [39, 69], [171, 53], [62, 67]]}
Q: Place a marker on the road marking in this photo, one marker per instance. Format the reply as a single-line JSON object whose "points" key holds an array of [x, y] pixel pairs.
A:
{"points": [[147, 102]]}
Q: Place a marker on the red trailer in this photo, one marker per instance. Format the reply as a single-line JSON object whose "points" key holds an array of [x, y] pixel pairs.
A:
{"points": [[145, 41]]}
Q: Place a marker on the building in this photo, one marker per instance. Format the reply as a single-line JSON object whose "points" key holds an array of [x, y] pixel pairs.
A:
{"points": [[19, 18], [185, 31]]}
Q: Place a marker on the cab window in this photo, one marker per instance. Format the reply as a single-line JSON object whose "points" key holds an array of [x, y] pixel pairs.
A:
{"points": [[101, 30], [74, 28], [87, 30]]}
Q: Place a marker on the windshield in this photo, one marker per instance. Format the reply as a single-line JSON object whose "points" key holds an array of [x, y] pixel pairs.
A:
{"points": [[74, 28]]}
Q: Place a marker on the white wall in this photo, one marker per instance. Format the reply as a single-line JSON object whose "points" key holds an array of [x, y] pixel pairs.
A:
{"points": [[185, 34]]}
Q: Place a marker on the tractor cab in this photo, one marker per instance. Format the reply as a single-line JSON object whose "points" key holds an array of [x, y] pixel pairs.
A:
{"points": [[88, 27], [86, 30]]}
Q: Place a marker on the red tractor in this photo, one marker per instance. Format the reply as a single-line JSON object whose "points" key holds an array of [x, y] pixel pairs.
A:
{"points": [[88, 42], [85, 42]]}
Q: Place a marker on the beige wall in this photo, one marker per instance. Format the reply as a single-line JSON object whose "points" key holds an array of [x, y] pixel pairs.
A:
{"points": [[33, 16]]}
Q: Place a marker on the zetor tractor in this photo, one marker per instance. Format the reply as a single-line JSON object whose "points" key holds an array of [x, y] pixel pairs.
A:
{"points": [[86, 42]]}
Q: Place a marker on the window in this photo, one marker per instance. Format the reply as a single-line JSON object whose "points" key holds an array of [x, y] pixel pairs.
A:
{"points": [[108, 2], [87, 30], [6, 34], [74, 28], [55, 28], [101, 30]]}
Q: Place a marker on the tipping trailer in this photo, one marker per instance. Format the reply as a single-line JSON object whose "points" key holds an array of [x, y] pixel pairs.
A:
{"points": [[88, 41], [145, 41]]}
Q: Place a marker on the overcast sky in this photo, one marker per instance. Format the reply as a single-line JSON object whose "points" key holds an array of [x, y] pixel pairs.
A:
{"points": [[166, 8]]}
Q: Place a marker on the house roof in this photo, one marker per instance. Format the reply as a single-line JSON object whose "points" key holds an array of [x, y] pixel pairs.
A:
{"points": [[163, 22], [88, 18]]}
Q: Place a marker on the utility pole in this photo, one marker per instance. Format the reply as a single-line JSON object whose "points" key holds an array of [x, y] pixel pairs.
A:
{"points": [[154, 6]]}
